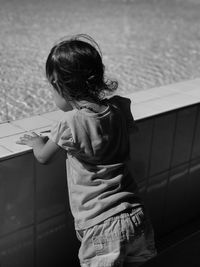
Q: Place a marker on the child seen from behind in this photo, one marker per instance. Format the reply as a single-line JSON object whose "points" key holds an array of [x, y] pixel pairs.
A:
{"points": [[109, 217]]}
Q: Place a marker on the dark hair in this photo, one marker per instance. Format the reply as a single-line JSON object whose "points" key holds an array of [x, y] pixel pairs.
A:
{"points": [[75, 66]]}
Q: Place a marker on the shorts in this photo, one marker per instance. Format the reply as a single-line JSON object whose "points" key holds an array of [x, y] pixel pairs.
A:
{"points": [[118, 241]]}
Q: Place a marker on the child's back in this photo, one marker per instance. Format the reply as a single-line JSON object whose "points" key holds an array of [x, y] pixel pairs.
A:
{"points": [[100, 184], [109, 218]]}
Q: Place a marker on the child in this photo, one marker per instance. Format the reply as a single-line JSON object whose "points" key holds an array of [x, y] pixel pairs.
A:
{"points": [[109, 217]]}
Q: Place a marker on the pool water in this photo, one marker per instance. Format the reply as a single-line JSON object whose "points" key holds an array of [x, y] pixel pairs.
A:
{"points": [[145, 44]]}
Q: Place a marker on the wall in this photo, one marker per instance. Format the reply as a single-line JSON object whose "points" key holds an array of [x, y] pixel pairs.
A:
{"points": [[36, 226], [166, 157]]}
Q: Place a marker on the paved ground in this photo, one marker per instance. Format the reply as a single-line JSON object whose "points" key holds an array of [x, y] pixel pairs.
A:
{"points": [[145, 43]]}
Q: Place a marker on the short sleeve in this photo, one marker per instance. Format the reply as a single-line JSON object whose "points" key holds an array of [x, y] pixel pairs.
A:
{"points": [[124, 104], [62, 136]]}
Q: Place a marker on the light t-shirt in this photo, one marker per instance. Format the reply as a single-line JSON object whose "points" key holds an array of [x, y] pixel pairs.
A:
{"points": [[97, 144]]}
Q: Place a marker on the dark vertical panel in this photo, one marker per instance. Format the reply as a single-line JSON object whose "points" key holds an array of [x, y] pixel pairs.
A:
{"points": [[196, 146], [16, 193], [57, 244], [175, 202], [193, 190], [51, 188], [155, 200], [162, 143], [140, 145], [184, 135], [16, 250]]}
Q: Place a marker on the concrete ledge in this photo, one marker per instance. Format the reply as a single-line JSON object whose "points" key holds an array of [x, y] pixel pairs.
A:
{"points": [[144, 104]]}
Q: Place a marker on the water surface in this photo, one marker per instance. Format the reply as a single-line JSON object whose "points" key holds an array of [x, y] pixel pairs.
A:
{"points": [[145, 43]]}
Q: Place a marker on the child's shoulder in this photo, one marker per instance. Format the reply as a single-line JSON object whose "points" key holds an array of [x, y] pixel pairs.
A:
{"points": [[64, 120], [122, 103], [67, 116], [119, 101], [62, 125]]}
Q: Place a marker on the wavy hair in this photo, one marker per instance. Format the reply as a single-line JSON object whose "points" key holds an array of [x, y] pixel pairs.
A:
{"points": [[75, 69]]}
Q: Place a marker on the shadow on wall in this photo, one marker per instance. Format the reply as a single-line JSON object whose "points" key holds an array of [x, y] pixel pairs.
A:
{"points": [[36, 226], [166, 158]]}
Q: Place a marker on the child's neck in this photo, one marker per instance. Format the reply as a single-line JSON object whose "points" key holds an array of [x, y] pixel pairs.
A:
{"points": [[91, 105]]}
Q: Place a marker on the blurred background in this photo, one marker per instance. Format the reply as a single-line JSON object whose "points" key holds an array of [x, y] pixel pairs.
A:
{"points": [[145, 44]]}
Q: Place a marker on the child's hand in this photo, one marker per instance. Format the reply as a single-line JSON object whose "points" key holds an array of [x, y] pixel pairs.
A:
{"points": [[43, 147], [31, 140]]}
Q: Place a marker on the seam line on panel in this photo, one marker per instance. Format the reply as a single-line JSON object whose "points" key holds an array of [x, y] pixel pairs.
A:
{"points": [[149, 160], [190, 157], [52, 217], [34, 215], [175, 167], [169, 170], [194, 132], [16, 231]]}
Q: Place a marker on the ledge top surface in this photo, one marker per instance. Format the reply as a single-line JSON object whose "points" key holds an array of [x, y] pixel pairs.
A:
{"points": [[144, 104]]}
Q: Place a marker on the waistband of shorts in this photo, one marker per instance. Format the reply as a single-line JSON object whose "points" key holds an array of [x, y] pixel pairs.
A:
{"points": [[126, 213]]}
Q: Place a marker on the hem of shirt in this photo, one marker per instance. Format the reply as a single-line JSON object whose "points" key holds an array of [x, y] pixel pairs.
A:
{"points": [[105, 215]]}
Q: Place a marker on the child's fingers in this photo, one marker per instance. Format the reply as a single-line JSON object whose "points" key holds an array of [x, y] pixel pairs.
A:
{"points": [[21, 142], [27, 136], [24, 139], [34, 134]]}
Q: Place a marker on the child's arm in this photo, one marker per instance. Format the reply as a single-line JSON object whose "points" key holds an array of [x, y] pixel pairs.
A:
{"points": [[42, 149]]}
